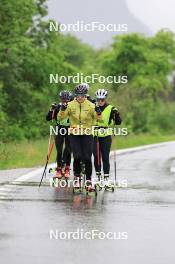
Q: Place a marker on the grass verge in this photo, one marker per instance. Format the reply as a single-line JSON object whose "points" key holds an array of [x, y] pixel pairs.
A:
{"points": [[33, 153]]}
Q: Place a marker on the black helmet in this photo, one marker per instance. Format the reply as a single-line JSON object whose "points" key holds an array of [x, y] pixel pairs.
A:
{"points": [[81, 89], [64, 95]]}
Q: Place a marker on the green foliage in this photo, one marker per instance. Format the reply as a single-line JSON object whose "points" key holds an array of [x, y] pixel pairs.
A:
{"points": [[29, 53], [148, 62]]}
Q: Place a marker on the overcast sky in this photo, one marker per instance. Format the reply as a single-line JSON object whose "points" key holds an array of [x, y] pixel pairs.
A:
{"points": [[146, 16], [155, 14]]}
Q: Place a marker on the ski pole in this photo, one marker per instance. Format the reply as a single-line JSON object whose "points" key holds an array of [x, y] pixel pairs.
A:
{"points": [[98, 152], [115, 164], [49, 151], [98, 110], [53, 113], [48, 158]]}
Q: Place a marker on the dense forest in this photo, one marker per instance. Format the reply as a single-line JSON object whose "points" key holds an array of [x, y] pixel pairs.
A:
{"points": [[29, 53]]}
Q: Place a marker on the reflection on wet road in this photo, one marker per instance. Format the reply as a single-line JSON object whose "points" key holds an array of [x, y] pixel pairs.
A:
{"points": [[144, 211]]}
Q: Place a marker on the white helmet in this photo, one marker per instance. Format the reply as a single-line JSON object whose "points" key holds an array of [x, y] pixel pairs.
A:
{"points": [[101, 94], [86, 85]]}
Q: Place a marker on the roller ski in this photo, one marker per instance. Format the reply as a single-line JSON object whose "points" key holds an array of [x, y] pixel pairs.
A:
{"points": [[108, 185], [104, 183], [89, 188], [56, 179], [99, 183], [77, 185]]}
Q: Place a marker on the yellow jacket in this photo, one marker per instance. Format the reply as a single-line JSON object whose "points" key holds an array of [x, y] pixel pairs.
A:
{"points": [[82, 117]]}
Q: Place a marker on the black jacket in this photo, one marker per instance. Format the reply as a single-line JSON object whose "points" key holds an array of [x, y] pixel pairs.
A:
{"points": [[50, 115]]}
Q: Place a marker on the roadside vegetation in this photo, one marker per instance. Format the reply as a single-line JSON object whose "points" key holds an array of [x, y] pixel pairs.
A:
{"points": [[29, 53], [27, 154]]}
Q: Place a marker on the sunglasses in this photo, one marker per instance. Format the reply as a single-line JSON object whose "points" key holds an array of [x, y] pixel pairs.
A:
{"points": [[102, 100]]}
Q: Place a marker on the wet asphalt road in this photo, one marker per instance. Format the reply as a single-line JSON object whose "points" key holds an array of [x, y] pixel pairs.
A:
{"points": [[141, 215]]}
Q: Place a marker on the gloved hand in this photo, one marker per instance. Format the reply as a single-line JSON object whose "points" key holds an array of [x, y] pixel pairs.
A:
{"points": [[53, 106], [63, 107], [117, 117], [98, 110]]}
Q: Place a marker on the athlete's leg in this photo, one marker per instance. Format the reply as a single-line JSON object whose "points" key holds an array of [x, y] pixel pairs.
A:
{"points": [[75, 142], [59, 141], [97, 155], [87, 147], [67, 151], [105, 145]]}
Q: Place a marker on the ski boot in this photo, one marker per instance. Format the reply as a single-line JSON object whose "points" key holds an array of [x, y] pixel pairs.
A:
{"points": [[108, 185], [57, 177], [59, 173], [98, 185], [67, 173], [83, 170], [98, 175]]}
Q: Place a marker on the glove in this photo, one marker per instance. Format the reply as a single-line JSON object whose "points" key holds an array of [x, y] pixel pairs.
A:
{"points": [[98, 110], [53, 106], [63, 107], [117, 118]]}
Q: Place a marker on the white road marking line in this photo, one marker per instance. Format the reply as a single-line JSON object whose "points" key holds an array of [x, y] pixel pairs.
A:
{"points": [[32, 174], [6, 188]]}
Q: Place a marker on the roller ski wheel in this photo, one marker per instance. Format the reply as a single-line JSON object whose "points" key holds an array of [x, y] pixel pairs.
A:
{"points": [[98, 186], [109, 187]]}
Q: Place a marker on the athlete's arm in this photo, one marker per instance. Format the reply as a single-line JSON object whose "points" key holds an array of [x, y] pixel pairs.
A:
{"points": [[96, 114], [53, 111], [64, 111]]}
